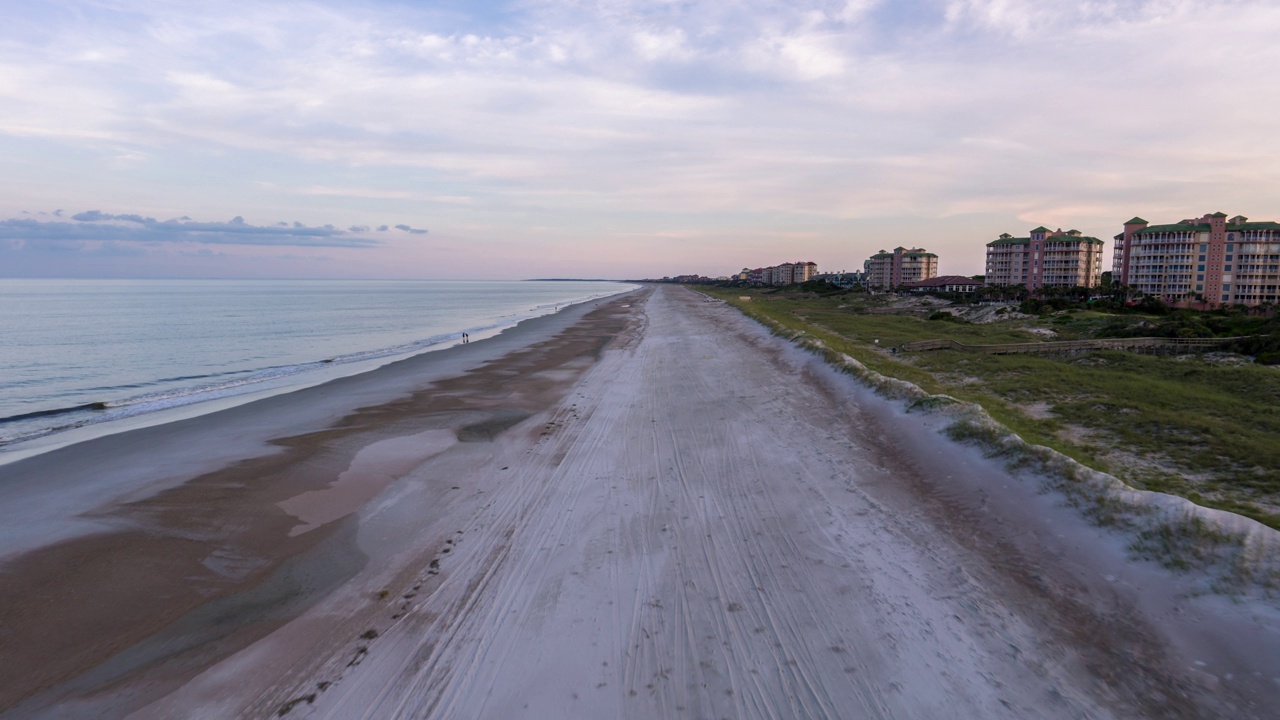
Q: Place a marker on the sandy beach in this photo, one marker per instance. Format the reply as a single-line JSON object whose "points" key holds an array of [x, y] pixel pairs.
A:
{"points": [[644, 506]]}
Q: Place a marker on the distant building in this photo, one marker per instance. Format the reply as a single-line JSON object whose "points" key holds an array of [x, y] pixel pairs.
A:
{"points": [[890, 270], [1212, 259], [784, 274], [798, 272], [840, 279], [945, 283], [803, 271], [1047, 258]]}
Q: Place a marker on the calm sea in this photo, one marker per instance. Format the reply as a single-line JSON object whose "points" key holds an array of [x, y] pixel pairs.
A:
{"points": [[75, 353]]}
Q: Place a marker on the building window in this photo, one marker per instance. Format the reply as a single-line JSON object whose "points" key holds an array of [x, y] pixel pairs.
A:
{"points": [[1201, 258], [1231, 248], [1200, 267], [1199, 277], [1226, 268], [1203, 248], [1199, 288]]}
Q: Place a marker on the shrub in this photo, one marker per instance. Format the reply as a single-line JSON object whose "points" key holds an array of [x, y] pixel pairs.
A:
{"points": [[945, 316]]}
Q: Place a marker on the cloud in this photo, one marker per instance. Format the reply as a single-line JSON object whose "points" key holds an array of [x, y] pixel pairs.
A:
{"points": [[93, 216], [354, 192], [94, 225], [408, 229], [596, 119]]}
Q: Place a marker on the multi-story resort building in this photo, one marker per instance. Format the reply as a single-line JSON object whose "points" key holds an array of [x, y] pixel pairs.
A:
{"points": [[784, 274], [1213, 260], [890, 270], [1046, 258], [800, 272]]}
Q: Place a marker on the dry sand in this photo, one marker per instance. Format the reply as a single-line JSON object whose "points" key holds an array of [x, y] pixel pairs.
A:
{"points": [[644, 507]]}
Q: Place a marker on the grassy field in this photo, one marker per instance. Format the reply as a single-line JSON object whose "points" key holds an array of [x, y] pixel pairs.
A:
{"points": [[1203, 427]]}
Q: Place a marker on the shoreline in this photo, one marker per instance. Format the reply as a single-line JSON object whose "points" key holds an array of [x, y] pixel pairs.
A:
{"points": [[202, 442], [179, 520], [211, 399]]}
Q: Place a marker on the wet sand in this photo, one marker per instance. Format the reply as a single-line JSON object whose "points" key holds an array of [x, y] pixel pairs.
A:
{"points": [[205, 565]]}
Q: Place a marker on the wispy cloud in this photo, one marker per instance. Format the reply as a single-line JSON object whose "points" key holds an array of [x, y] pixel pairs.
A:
{"points": [[97, 226], [602, 118], [411, 230]]}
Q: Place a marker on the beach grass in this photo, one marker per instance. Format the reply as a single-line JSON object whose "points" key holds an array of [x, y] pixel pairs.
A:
{"points": [[1186, 425]]}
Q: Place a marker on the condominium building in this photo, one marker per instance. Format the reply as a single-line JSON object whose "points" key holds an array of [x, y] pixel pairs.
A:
{"points": [[890, 270], [784, 274], [1045, 258], [796, 272], [807, 272], [1212, 259]]}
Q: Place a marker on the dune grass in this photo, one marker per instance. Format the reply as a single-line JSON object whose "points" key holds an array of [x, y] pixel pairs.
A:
{"points": [[1181, 425]]}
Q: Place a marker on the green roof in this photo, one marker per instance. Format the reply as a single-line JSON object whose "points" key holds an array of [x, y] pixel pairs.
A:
{"points": [[1218, 214], [883, 254], [1041, 229], [1136, 221], [1059, 238], [1174, 227], [1196, 227]]}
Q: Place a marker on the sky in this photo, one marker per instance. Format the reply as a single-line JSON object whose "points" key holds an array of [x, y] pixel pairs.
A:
{"points": [[617, 138]]}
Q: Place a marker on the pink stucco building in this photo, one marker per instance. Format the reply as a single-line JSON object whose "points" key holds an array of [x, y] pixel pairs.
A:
{"points": [[1212, 260], [1045, 258], [784, 274], [890, 270]]}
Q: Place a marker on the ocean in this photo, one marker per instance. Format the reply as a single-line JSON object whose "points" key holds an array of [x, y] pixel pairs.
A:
{"points": [[82, 353]]}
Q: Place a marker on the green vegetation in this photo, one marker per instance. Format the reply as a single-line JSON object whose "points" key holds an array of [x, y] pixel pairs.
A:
{"points": [[1206, 427]]}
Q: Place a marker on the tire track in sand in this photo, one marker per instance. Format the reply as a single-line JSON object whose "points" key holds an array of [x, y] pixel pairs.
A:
{"points": [[686, 542]]}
